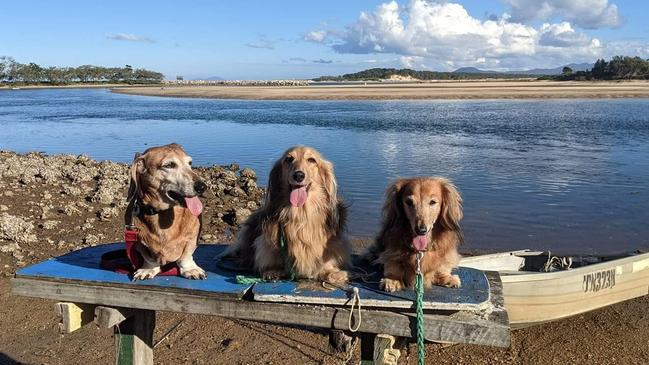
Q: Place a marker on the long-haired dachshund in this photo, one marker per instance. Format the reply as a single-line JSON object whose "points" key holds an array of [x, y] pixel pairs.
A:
{"points": [[299, 229], [420, 214], [165, 209]]}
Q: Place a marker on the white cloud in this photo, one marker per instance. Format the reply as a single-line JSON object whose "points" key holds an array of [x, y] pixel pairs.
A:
{"points": [[562, 35], [262, 43], [443, 35], [320, 60], [584, 13], [130, 38], [316, 36]]}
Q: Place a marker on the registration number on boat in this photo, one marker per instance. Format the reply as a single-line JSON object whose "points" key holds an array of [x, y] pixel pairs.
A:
{"points": [[597, 281]]}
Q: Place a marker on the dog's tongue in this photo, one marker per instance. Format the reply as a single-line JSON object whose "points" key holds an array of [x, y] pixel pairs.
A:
{"points": [[194, 205], [420, 243], [298, 196]]}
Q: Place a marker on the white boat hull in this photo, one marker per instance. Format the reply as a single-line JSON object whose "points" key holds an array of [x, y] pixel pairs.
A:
{"points": [[536, 297]]}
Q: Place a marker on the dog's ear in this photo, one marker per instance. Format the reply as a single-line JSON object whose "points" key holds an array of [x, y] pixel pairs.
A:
{"points": [[392, 206], [274, 182], [451, 213], [326, 171], [136, 169]]}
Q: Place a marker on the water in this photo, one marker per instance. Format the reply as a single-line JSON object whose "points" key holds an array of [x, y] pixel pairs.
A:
{"points": [[566, 175]]}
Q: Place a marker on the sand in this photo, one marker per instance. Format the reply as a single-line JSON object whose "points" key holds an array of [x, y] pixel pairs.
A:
{"points": [[408, 91]]}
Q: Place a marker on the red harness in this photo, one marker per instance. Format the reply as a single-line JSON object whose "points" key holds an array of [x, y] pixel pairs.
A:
{"points": [[129, 260]]}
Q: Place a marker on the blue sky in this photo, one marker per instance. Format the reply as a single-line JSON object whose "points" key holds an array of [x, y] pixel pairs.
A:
{"points": [[303, 39]]}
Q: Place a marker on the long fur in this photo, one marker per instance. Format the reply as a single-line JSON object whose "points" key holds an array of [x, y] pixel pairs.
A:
{"points": [[317, 248], [393, 249]]}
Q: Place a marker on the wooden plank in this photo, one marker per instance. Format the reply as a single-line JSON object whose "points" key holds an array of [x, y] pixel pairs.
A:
{"points": [[84, 266], [463, 327], [107, 317], [73, 316], [473, 295], [134, 339]]}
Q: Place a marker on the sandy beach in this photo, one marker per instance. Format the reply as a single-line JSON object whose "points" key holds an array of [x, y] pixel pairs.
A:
{"points": [[406, 91]]}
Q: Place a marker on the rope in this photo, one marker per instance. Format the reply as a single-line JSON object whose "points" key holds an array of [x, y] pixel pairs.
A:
{"points": [[355, 303], [419, 298], [283, 245], [356, 299]]}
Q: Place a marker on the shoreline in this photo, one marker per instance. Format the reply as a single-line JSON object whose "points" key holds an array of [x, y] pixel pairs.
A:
{"points": [[75, 86], [403, 91]]}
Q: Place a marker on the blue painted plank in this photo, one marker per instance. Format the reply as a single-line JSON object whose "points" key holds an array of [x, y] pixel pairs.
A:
{"points": [[473, 295], [83, 265]]}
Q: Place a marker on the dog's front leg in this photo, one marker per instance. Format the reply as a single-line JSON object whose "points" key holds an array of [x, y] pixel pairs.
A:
{"points": [[269, 261], [150, 268], [394, 276], [446, 279], [189, 269]]}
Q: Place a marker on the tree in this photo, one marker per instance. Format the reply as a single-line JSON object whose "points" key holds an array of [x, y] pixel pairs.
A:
{"points": [[566, 71]]}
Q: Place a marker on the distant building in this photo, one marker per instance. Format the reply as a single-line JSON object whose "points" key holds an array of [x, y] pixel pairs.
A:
{"points": [[179, 78]]}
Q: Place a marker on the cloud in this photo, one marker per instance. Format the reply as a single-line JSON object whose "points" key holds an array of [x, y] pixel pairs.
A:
{"points": [[562, 35], [588, 14], [262, 43], [322, 61], [445, 35], [129, 37], [297, 59], [316, 36]]}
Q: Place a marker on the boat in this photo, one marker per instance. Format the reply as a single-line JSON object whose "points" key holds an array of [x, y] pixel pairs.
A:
{"points": [[539, 287]]}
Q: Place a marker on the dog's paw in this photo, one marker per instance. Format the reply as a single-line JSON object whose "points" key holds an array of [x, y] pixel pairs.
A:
{"points": [[391, 285], [194, 273], [272, 275], [143, 274], [449, 281], [337, 277]]}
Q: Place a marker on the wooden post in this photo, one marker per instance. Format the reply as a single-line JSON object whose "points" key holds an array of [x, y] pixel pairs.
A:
{"points": [[134, 339], [73, 315], [384, 351]]}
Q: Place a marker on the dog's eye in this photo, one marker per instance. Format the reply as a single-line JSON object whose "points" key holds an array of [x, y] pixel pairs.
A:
{"points": [[190, 163], [169, 165], [312, 160], [410, 203], [289, 159], [432, 202]]}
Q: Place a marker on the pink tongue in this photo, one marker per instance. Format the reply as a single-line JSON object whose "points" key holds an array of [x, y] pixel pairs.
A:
{"points": [[194, 205], [298, 196], [420, 243]]}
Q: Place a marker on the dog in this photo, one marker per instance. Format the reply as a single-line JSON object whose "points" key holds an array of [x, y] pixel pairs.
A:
{"points": [[420, 214], [303, 213], [165, 208]]}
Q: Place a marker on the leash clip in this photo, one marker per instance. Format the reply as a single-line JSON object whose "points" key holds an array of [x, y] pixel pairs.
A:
{"points": [[420, 255]]}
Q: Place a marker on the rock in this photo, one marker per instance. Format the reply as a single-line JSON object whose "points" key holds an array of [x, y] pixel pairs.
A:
{"points": [[106, 213], [50, 224], [241, 214], [17, 229], [3, 208], [248, 173]]}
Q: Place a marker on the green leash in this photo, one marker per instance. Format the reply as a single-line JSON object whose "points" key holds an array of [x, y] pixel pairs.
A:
{"points": [[419, 298]]}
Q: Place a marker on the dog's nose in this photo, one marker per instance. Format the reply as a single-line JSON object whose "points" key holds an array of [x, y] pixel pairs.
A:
{"points": [[200, 187], [422, 230], [298, 176]]}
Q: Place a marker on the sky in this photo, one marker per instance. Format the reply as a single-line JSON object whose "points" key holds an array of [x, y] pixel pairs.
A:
{"points": [[264, 39]]}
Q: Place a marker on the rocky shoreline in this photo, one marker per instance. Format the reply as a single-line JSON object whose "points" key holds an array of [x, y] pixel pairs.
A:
{"points": [[50, 205]]}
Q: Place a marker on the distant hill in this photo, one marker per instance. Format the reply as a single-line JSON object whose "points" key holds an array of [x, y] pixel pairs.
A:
{"points": [[533, 72], [474, 70], [409, 74], [557, 71]]}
